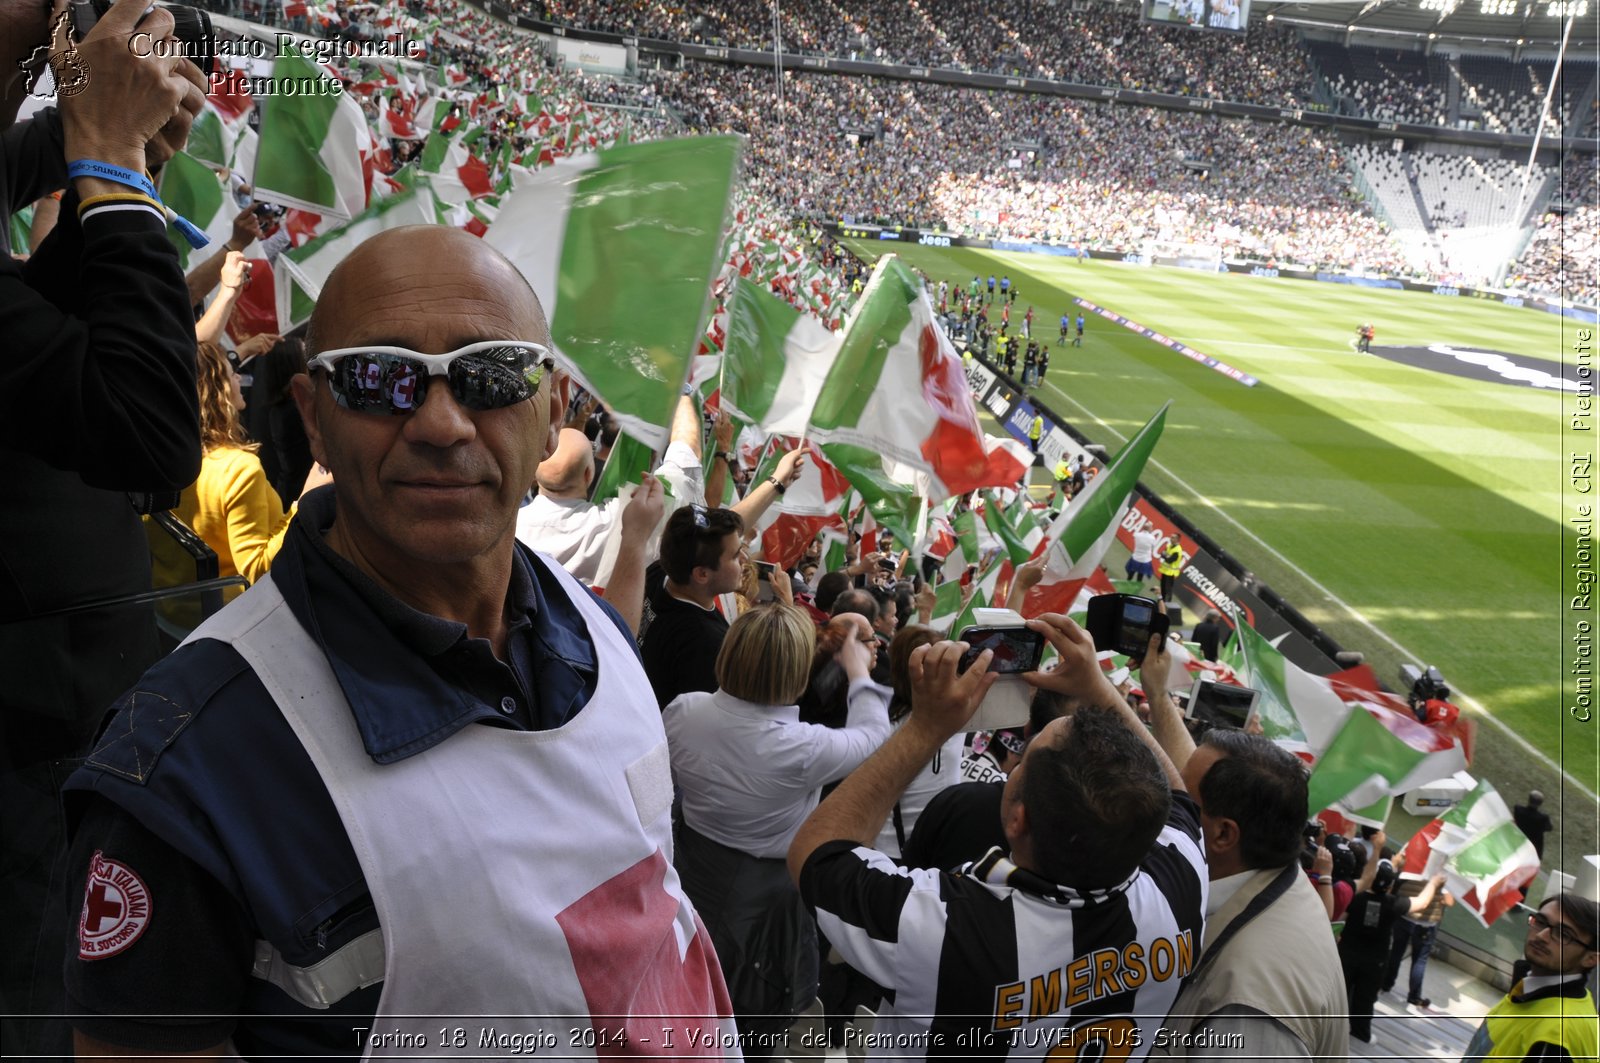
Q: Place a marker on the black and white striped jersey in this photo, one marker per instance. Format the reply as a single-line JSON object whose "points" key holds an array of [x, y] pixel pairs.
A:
{"points": [[995, 962]]}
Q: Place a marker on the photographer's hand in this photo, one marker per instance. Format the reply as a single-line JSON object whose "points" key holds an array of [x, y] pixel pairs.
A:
{"points": [[1077, 672], [125, 98], [174, 136]]}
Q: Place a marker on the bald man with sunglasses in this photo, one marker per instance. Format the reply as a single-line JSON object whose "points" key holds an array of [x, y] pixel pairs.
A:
{"points": [[415, 775]]}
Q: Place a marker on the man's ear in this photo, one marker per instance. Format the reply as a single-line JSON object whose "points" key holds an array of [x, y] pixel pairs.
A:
{"points": [[1221, 835], [304, 391], [560, 396]]}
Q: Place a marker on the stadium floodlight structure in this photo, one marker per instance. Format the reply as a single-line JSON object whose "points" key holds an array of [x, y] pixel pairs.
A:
{"points": [[1544, 117]]}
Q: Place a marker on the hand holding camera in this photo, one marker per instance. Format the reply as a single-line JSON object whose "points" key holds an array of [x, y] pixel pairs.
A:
{"points": [[123, 100], [943, 696], [1077, 669]]}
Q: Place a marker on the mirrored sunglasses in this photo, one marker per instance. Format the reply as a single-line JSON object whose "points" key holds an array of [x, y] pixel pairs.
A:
{"points": [[489, 375]]}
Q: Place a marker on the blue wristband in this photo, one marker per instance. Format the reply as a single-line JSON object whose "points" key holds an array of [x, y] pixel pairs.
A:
{"points": [[108, 172]]}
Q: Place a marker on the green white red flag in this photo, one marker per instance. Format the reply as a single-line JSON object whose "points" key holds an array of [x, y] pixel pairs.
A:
{"points": [[775, 360], [312, 144], [895, 414], [1487, 861], [1365, 746], [1080, 537], [621, 246]]}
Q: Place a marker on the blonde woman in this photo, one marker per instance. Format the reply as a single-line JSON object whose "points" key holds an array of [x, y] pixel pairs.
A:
{"points": [[232, 506], [749, 773]]}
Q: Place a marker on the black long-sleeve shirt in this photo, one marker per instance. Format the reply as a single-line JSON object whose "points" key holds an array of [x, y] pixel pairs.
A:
{"points": [[97, 399]]}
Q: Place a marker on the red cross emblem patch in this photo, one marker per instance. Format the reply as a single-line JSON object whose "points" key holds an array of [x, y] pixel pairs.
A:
{"points": [[116, 909]]}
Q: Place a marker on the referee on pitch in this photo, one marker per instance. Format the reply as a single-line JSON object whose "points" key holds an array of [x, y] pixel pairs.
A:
{"points": [[1081, 937]]}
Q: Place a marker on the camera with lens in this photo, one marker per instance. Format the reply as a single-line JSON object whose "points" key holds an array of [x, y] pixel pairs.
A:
{"points": [[1345, 861], [190, 25], [1426, 684]]}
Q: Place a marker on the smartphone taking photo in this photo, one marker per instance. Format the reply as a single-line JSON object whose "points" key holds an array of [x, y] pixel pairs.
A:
{"points": [[1123, 623], [1016, 649]]}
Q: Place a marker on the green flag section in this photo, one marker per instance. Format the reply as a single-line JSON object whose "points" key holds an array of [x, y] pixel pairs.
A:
{"points": [[22, 231], [947, 604], [981, 598], [215, 137], [629, 459], [1379, 752], [621, 247], [194, 190], [896, 405], [834, 551], [774, 360], [998, 521], [299, 273], [309, 153], [1083, 533], [1486, 860]]}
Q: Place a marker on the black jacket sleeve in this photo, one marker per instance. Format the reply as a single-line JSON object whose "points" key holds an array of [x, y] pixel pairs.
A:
{"points": [[34, 163], [97, 347]]}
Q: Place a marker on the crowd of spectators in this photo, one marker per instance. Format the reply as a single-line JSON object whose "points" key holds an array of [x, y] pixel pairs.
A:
{"points": [[1563, 258], [1099, 44], [1027, 167]]}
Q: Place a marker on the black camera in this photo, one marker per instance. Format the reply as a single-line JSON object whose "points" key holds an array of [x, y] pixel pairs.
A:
{"points": [[191, 25], [1426, 684]]}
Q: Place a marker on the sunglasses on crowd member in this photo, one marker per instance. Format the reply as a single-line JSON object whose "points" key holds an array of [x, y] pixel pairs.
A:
{"points": [[1560, 932], [489, 375]]}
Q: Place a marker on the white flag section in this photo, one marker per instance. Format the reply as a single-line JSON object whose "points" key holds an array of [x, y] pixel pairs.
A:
{"points": [[300, 273]]}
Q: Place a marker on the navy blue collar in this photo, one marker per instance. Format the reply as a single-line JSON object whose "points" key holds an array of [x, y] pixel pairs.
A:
{"points": [[384, 653]]}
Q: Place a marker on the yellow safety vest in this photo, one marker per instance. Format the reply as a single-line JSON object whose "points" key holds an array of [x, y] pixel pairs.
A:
{"points": [[1062, 471], [1037, 428], [1171, 561], [1511, 1028]]}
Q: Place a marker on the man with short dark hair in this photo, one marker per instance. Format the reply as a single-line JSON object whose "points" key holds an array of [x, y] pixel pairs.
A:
{"points": [[962, 822], [1096, 912], [703, 556], [1269, 984], [1549, 1014]]}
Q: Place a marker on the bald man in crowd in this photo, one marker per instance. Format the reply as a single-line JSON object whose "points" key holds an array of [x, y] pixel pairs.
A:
{"points": [[417, 772]]}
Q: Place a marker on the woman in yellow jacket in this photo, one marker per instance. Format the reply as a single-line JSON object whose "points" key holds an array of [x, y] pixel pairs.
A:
{"points": [[232, 506]]}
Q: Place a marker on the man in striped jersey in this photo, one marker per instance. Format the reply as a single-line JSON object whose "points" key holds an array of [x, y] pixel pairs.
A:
{"points": [[1077, 942]]}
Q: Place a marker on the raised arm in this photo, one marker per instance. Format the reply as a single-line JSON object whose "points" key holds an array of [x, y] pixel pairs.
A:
{"points": [[1077, 672], [942, 701]]}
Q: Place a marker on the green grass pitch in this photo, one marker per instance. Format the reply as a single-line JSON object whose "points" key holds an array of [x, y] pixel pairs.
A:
{"points": [[1415, 516]]}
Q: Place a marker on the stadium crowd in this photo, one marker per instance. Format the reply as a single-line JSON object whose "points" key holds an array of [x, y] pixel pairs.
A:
{"points": [[735, 766]]}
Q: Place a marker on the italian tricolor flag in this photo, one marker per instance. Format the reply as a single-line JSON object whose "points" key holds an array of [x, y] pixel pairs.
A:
{"points": [[309, 155], [775, 360], [621, 247], [1083, 533], [1365, 747], [1486, 860], [895, 414]]}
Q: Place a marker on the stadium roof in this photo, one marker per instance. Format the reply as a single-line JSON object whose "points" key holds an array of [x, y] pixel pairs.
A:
{"points": [[1534, 22]]}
